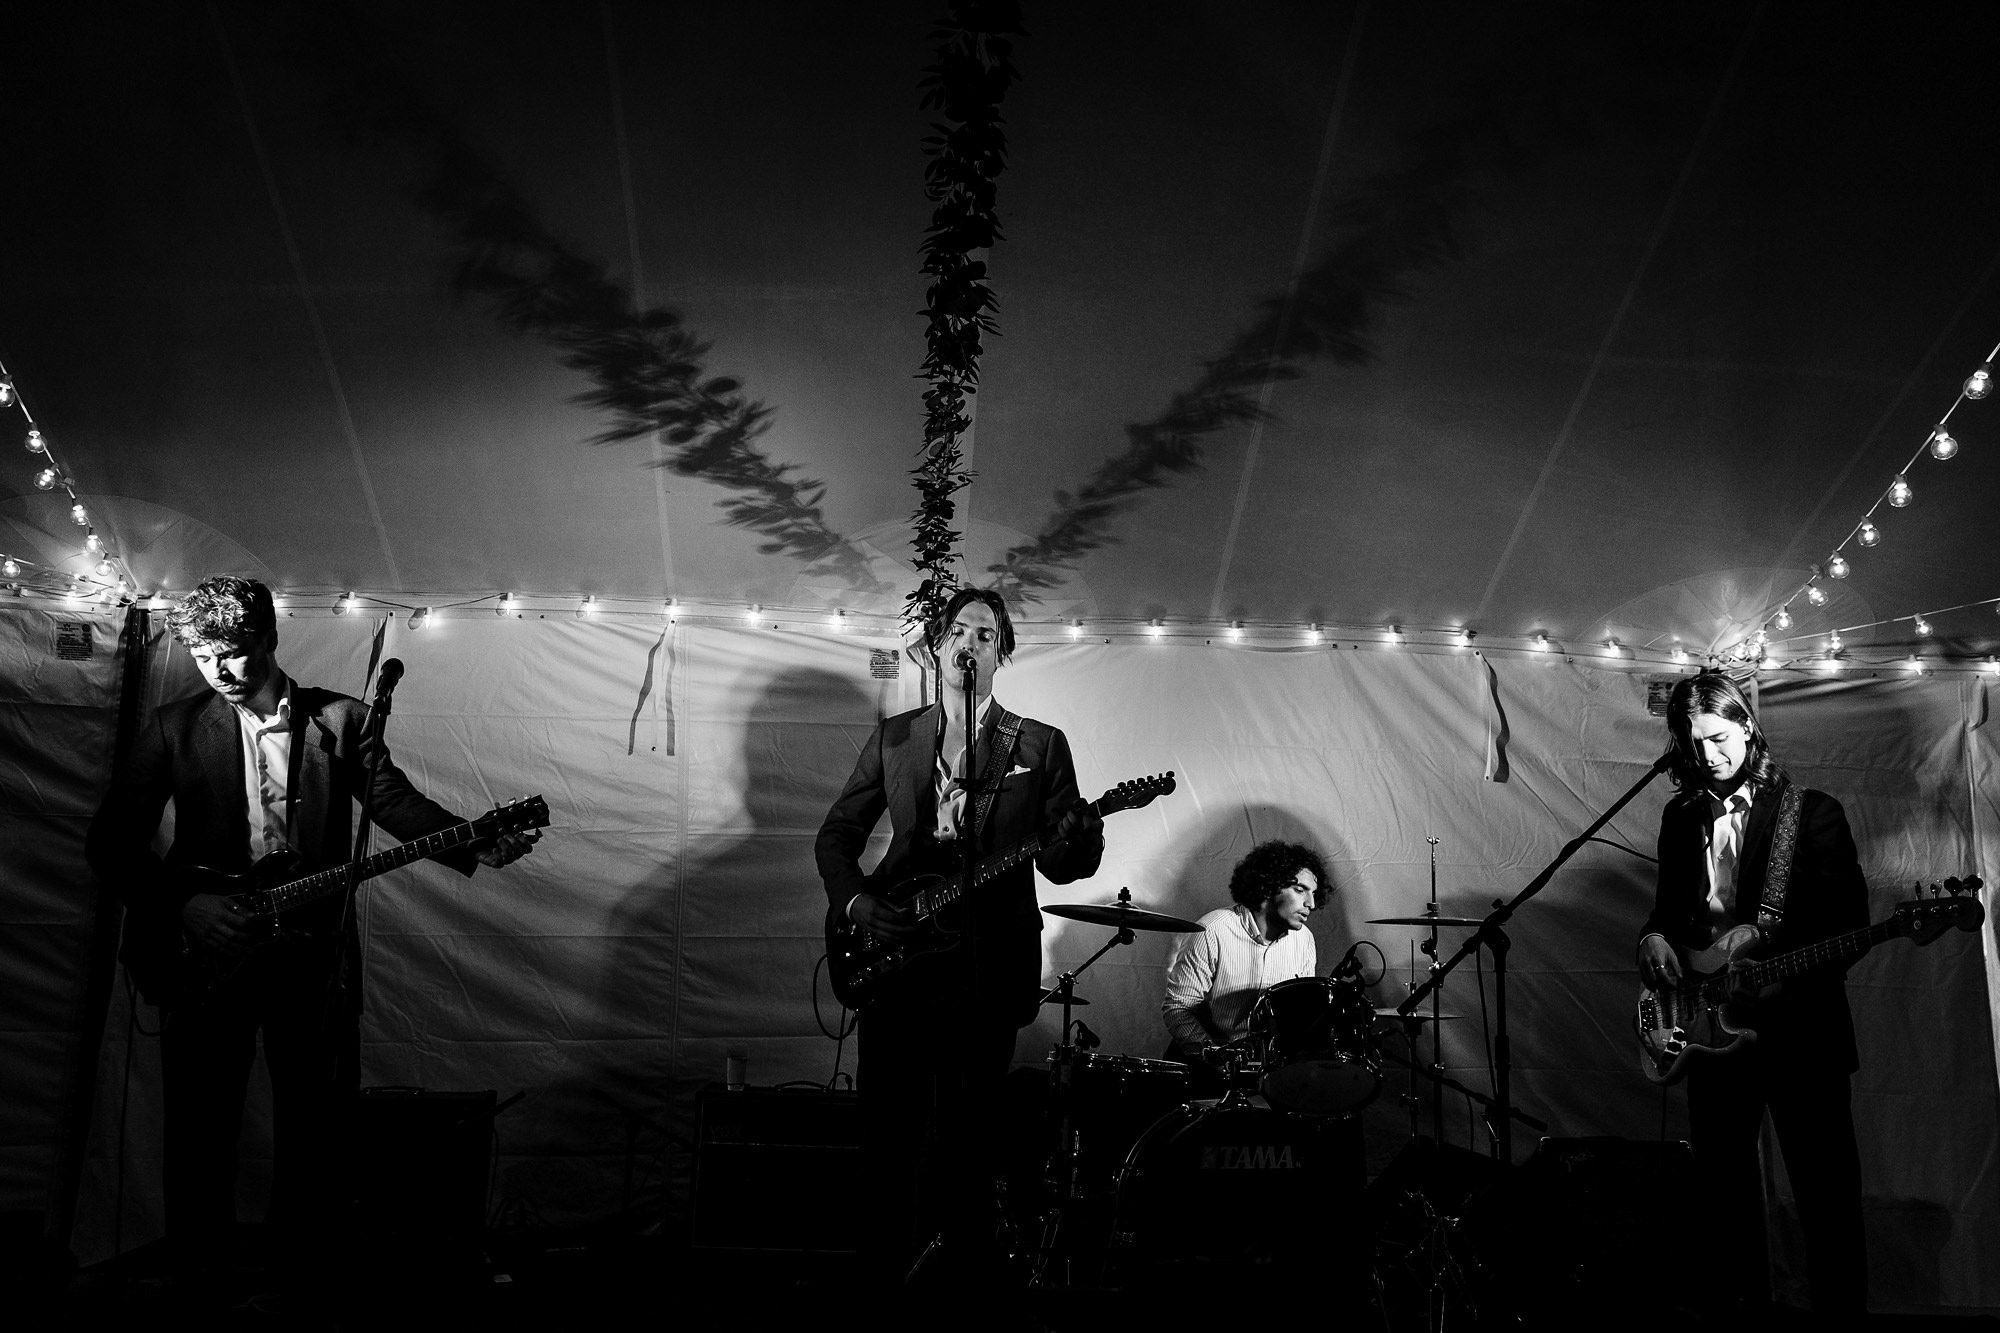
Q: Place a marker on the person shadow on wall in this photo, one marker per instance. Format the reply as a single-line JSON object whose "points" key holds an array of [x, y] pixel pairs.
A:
{"points": [[714, 956]]}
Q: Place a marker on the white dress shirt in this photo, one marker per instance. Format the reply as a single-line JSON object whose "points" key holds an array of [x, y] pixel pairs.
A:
{"points": [[1727, 817], [1225, 970], [267, 768], [946, 775]]}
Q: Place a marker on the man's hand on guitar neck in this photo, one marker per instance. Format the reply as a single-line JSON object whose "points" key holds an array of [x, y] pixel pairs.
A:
{"points": [[505, 849], [1081, 827], [878, 916], [215, 923]]}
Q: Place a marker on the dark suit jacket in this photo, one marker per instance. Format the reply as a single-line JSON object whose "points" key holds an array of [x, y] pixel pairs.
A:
{"points": [[894, 773], [192, 751], [1809, 1019]]}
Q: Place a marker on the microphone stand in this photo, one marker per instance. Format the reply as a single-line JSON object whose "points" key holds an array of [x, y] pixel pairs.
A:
{"points": [[1492, 936]]}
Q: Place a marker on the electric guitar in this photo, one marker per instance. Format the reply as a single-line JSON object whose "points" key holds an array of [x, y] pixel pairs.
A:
{"points": [[860, 962], [1697, 1018], [171, 967]]}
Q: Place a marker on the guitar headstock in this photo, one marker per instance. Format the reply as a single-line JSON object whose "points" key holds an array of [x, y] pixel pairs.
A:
{"points": [[1135, 792], [1924, 919], [530, 812]]}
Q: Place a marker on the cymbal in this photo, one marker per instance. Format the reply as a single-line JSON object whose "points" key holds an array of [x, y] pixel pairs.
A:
{"points": [[1389, 1011], [1122, 917], [1055, 997], [1426, 921]]}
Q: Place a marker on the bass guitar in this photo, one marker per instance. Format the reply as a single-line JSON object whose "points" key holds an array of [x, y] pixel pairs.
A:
{"points": [[170, 967], [860, 962], [1698, 1018]]}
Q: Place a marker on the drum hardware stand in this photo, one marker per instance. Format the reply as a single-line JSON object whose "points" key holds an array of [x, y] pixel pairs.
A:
{"points": [[1430, 948], [1061, 1171], [1494, 939]]}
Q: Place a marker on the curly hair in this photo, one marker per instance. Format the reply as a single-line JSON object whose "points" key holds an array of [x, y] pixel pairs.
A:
{"points": [[934, 633], [1272, 867], [224, 609], [1713, 693]]}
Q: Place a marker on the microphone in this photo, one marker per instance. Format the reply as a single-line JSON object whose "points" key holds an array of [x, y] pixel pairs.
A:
{"points": [[1349, 965], [1086, 1040], [385, 681], [965, 661]]}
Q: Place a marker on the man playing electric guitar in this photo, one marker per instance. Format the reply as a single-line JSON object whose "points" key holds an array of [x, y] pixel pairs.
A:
{"points": [[1752, 863], [936, 1043], [258, 764]]}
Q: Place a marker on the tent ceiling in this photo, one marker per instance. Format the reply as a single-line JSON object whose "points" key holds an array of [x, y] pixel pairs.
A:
{"points": [[1712, 283]]}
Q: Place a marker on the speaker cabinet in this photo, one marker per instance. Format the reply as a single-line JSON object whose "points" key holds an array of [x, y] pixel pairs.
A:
{"points": [[777, 1169]]}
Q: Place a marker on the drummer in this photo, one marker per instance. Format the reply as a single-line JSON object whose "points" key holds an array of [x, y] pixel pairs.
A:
{"points": [[1215, 978]]}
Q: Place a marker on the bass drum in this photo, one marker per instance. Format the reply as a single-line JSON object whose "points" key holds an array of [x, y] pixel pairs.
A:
{"points": [[1228, 1183], [1315, 1035]]}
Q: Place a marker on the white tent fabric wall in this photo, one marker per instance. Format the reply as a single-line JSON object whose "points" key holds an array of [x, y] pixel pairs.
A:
{"points": [[673, 912]]}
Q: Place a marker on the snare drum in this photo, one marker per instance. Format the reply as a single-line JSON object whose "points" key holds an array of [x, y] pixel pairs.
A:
{"points": [[1315, 1037]]}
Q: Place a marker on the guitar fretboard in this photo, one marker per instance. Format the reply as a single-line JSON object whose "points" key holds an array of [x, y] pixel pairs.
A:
{"points": [[1000, 863], [302, 891], [1712, 990]]}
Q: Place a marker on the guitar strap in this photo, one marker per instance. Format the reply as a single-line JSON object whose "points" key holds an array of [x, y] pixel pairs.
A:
{"points": [[1001, 755], [1784, 842]]}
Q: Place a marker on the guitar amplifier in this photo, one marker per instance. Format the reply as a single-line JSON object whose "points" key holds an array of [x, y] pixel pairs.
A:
{"points": [[422, 1161], [770, 1166]]}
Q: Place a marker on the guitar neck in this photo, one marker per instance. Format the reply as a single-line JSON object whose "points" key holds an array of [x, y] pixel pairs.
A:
{"points": [[998, 864], [1832, 950], [302, 891]]}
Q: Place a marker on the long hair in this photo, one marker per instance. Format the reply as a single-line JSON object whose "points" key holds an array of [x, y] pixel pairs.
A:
{"points": [[1270, 867], [1715, 694], [224, 609], [1004, 624]]}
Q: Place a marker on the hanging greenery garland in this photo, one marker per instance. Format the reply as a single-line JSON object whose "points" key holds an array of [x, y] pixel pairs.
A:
{"points": [[967, 151]]}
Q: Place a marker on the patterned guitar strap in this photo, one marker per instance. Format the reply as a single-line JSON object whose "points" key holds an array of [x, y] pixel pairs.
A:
{"points": [[1008, 732], [1784, 842]]}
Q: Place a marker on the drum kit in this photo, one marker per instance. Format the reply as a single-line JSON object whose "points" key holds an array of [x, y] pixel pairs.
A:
{"points": [[1263, 1126]]}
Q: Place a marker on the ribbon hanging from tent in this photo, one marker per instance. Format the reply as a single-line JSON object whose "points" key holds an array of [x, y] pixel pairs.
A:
{"points": [[967, 151]]}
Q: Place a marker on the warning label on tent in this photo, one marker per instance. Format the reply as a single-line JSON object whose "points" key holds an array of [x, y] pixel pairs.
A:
{"points": [[885, 663], [73, 641]]}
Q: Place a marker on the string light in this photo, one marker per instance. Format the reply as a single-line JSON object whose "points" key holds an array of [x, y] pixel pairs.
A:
{"points": [[1979, 383], [1833, 642], [1395, 634], [104, 567], [1313, 633], [1541, 643], [420, 618], [754, 614], [35, 443], [838, 620], [1836, 568], [1612, 649], [1869, 534], [1235, 630], [10, 567], [1076, 629], [1679, 654], [1783, 620], [1923, 628], [1154, 628], [1466, 636], [93, 543], [1900, 492], [1816, 594], [504, 605], [1942, 445], [46, 479], [6, 391], [588, 606], [78, 515]]}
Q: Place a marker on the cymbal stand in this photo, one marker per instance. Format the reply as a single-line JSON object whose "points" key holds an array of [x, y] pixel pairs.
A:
{"points": [[1061, 1171], [1430, 948]]}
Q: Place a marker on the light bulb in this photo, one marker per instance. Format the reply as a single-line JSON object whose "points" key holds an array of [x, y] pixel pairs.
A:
{"points": [[1235, 630], [1395, 634], [504, 605], [1154, 628], [10, 567], [754, 614], [420, 618], [1923, 628], [1942, 445], [1783, 620], [1833, 642], [46, 479], [1816, 595], [6, 392], [1541, 643], [1762, 637], [1977, 385], [838, 620], [93, 543], [1466, 636], [1076, 629], [1899, 492], [35, 443], [1869, 534], [1836, 568], [1611, 647], [78, 515], [1313, 633], [104, 567], [1679, 653], [588, 607]]}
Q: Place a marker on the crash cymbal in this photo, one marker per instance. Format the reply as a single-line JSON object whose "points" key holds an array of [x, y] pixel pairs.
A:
{"points": [[1055, 997], [1122, 917], [1426, 921], [1419, 1017]]}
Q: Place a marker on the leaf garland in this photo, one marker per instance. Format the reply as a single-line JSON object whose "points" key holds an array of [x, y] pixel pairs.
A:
{"points": [[1530, 92], [646, 365], [967, 150]]}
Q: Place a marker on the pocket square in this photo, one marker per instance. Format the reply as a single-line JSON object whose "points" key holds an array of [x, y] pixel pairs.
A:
{"points": [[1019, 769]]}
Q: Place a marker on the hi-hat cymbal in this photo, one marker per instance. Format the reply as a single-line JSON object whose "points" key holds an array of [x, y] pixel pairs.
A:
{"points": [[1055, 997], [1419, 1017], [1426, 921], [1122, 917]]}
